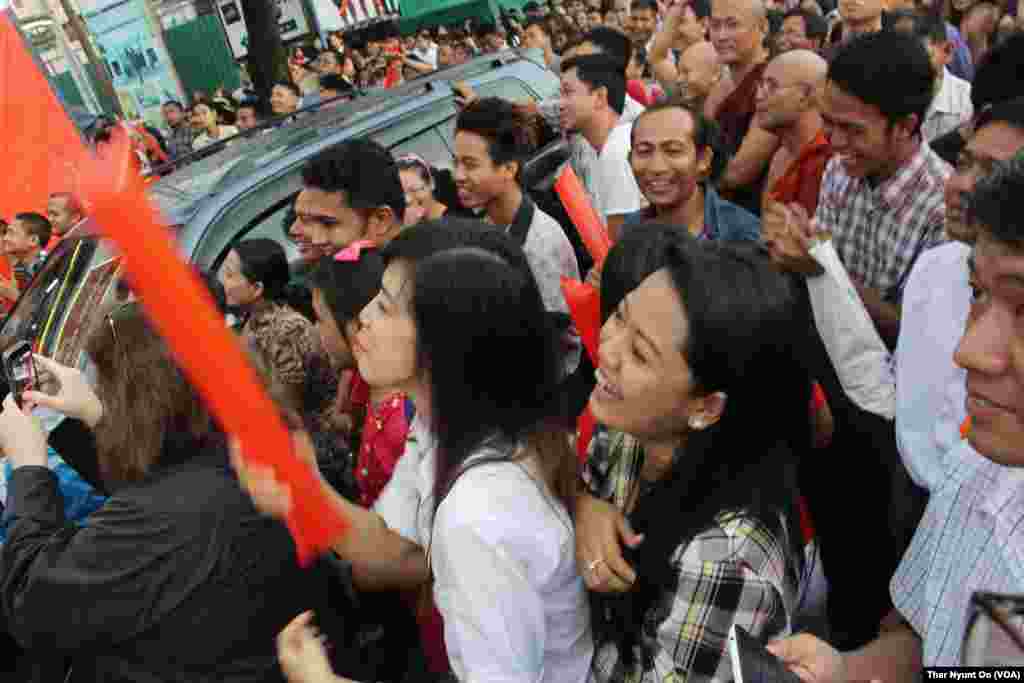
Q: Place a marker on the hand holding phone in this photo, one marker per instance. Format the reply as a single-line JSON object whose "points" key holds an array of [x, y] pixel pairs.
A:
{"points": [[19, 369]]}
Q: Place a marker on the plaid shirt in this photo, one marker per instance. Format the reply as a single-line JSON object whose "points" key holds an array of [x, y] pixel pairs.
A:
{"points": [[880, 231], [971, 538], [739, 571]]}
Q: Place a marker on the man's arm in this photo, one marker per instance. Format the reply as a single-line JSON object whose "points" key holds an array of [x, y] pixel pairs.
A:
{"points": [[885, 315], [894, 656], [747, 165]]}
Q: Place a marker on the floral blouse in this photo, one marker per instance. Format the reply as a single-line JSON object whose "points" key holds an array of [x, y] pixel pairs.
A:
{"points": [[738, 571], [288, 341], [382, 444]]}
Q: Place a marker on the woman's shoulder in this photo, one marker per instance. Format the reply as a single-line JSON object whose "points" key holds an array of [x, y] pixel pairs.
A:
{"points": [[744, 538]]}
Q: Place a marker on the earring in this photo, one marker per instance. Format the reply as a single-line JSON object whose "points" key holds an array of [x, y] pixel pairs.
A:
{"points": [[696, 422]]}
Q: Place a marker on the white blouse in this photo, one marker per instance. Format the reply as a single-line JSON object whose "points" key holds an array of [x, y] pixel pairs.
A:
{"points": [[504, 563]]}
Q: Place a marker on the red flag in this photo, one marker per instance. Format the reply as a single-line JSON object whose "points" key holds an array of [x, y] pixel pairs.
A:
{"points": [[42, 145], [208, 353], [588, 224]]}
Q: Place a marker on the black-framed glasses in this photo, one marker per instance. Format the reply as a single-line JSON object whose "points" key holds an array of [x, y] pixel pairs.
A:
{"points": [[994, 635]]}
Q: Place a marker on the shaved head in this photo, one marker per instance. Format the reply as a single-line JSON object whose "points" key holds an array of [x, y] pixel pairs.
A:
{"points": [[792, 85], [803, 66], [699, 70]]}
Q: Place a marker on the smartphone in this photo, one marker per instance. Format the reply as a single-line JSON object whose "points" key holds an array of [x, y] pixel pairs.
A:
{"points": [[752, 663], [19, 369]]}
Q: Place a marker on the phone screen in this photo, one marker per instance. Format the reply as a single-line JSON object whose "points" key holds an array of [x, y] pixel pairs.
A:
{"points": [[752, 663], [20, 369]]}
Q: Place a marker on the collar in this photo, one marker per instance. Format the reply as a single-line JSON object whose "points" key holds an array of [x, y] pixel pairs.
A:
{"points": [[899, 188], [944, 100], [524, 217], [712, 202]]}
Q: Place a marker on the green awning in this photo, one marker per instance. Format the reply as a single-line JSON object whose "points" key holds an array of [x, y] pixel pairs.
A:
{"points": [[427, 13]]}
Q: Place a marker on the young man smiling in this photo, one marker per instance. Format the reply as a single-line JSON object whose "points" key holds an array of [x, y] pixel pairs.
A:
{"points": [[351, 191]]}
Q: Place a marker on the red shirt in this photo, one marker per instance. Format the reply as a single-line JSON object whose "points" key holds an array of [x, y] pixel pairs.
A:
{"points": [[802, 180]]}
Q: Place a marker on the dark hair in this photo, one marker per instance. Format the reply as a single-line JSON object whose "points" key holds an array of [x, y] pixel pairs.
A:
{"points": [[611, 43], [150, 410], [424, 239], [416, 246], [174, 103], [412, 162], [348, 286], [599, 71], [998, 76], [743, 340], [291, 86], [643, 4], [640, 251], [997, 202], [701, 8], [929, 27], [363, 170], [815, 25], [36, 225], [336, 83], [498, 311], [706, 134], [264, 261], [540, 22], [1010, 112], [889, 71], [512, 131]]}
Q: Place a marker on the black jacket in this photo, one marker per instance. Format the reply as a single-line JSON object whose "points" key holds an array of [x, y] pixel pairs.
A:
{"points": [[176, 578]]}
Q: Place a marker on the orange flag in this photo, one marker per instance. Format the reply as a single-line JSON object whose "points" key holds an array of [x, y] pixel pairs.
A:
{"points": [[208, 353], [584, 301], [41, 144]]}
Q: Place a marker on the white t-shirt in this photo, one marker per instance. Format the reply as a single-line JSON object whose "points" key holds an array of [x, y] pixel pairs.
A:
{"points": [[617, 190]]}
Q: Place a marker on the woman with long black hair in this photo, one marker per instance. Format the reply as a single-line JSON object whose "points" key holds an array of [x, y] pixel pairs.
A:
{"points": [[703, 392]]}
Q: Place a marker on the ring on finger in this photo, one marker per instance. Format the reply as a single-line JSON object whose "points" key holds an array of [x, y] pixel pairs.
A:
{"points": [[594, 565]]}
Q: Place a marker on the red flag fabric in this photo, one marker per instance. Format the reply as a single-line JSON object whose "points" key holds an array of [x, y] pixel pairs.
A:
{"points": [[41, 143], [584, 217], [208, 353]]}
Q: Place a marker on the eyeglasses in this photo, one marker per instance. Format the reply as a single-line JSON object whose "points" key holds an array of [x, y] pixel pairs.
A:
{"points": [[994, 635], [110, 318]]}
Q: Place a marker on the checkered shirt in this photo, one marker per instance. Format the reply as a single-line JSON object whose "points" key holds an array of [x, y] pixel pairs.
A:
{"points": [[971, 538], [739, 571], [880, 231]]}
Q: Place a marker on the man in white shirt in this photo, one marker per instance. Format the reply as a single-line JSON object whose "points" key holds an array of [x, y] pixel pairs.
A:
{"points": [[952, 104], [593, 94]]}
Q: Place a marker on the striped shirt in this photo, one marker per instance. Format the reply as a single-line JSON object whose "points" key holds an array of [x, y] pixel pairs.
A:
{"points": [[879, 231], [971, 538]]}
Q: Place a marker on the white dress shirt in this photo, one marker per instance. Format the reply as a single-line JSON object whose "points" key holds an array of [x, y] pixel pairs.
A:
{"points": [[951, 107], [616, 186], [971, 538], [931, 391], [504, 562]]}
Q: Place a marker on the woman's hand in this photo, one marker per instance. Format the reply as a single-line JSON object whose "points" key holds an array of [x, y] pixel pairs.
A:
{"points": [[65, 390], [599, 528], [22, 438], [302, 654], [271, 497]]}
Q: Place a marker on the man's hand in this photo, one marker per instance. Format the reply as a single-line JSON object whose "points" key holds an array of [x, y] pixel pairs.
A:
{"points": [[788, 234], [813, 660], [464, 94]]}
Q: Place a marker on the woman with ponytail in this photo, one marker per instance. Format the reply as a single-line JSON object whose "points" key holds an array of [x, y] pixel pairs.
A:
{"points": [[256, 278]]}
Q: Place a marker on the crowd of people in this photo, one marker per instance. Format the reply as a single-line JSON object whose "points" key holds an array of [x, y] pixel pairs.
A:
{"points": [[807, 363]]}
